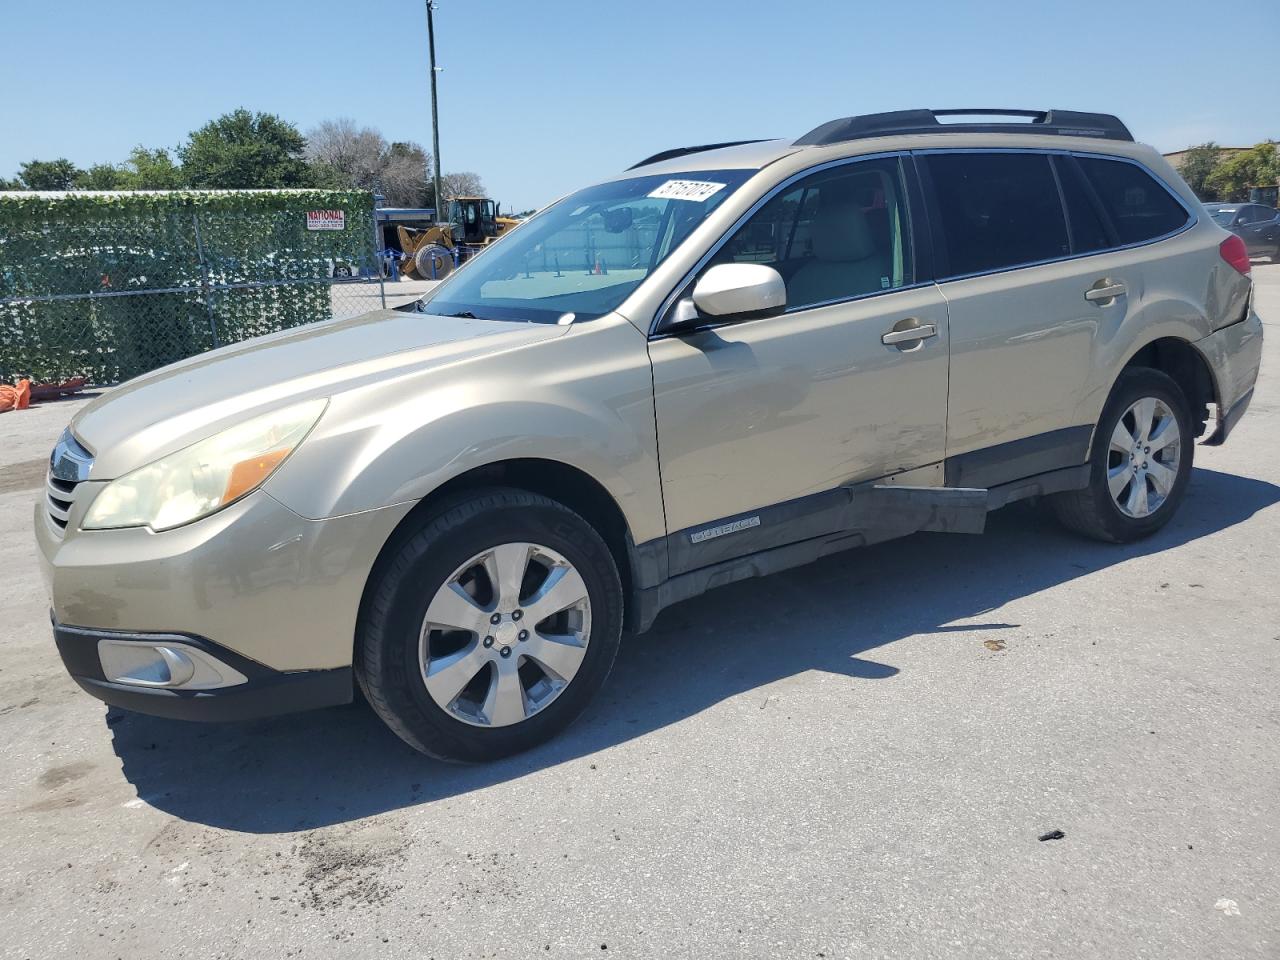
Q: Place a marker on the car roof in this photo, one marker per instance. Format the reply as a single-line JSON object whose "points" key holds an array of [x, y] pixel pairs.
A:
{"points": [[1032, 128]]}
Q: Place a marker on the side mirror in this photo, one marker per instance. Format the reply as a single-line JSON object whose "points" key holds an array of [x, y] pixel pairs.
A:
{"points": [[729, 293]]}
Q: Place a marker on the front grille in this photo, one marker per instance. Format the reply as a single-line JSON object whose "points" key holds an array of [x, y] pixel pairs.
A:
{"points": [[58, 497], [68, 467]]}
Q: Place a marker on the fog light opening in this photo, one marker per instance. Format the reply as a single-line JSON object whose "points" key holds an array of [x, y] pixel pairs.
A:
{"points": [[167, 666]]}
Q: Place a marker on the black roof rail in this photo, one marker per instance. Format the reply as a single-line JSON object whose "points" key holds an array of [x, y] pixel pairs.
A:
{"points": [[1067, 123], [685, 151]]}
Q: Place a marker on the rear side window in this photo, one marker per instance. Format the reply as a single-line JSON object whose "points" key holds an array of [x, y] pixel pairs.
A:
{"points": [[997, 210], [1139, 207]]}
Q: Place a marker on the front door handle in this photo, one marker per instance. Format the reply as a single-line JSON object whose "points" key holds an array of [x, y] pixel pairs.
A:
{"points": [[1104, 291], [909, 334]]}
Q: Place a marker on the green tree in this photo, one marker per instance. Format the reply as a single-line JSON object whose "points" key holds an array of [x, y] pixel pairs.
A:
{"points": [[151, 170], [328, 177], [1198, 165], [242, 149], [100, 176], [1255, 167], [57, 174]]}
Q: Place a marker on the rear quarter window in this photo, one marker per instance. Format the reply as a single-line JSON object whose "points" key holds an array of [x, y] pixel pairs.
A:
{"points": [[1139, 207]]}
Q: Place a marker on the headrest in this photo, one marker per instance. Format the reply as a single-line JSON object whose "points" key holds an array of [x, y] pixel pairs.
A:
{"points": [[841, 232]]}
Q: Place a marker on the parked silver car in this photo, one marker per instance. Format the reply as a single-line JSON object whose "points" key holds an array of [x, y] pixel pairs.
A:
{"points": [[726, 361]]}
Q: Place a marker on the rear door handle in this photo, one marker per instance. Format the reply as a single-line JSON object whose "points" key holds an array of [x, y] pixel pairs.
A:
{"points": [[909, 334], [1107, 291]]}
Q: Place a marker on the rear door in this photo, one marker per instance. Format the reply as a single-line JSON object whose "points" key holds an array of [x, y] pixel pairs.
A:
{"points": [[1258, 229], [1022, 330], [1271, 233], [1042, 260]]}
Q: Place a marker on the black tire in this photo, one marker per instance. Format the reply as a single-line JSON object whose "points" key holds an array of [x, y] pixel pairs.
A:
{"points": [[1092, 511], [433, 262], [387, 654]]}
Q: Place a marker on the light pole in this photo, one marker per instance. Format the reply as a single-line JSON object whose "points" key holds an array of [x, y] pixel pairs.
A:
{"points": [[435, 123]]}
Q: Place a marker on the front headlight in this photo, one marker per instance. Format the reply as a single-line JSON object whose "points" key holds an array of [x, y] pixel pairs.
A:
{"points": [[206, 476]]}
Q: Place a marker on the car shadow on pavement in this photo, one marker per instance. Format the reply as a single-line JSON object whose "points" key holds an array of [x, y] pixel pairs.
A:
{"points": [[331, 766]]}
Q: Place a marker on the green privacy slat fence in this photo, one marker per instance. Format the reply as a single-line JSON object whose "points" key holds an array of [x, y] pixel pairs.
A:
{"points": [[110, 285]]}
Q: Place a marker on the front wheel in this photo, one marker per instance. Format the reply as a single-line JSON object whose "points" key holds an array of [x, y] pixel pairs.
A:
{"points": [[490, 628], [433, 262], [1140, 462]]}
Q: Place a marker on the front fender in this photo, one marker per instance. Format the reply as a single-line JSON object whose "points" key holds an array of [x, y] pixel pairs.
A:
{"points": [[584, 400]]}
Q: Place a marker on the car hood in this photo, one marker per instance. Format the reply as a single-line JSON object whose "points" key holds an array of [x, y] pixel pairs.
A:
{"points": [[160, 412]]}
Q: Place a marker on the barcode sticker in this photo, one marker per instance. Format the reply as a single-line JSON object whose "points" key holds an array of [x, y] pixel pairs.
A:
{"points": [[695, 190]]}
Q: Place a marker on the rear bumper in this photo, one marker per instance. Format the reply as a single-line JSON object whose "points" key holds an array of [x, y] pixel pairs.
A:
{"points": [[264, 692], [1234, 355]]}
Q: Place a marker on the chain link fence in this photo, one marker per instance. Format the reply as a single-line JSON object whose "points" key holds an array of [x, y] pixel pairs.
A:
{"points": [[107, 287]]}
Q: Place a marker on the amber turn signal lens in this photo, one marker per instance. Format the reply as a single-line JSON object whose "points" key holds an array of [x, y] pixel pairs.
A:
{"points": [[247, 474]]}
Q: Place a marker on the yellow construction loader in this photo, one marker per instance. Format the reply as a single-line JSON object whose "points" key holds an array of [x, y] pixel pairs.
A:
{"points": [[471, 225]]}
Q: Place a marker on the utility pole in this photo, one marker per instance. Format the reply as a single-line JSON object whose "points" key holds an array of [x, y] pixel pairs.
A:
{"points": [[435, 123]]}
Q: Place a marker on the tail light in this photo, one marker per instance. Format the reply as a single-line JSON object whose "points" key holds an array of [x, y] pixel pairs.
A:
{"points": [[1236, 254]]}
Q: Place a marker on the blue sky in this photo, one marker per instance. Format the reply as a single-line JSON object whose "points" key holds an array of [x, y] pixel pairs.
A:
{"points": [[542, 97]]}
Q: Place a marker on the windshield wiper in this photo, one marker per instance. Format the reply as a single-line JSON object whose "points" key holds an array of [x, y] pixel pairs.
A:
{"points": [[465, 315]]}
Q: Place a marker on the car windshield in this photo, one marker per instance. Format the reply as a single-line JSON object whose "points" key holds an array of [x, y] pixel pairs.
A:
{"points": [[585, 254], [1223, 215]]}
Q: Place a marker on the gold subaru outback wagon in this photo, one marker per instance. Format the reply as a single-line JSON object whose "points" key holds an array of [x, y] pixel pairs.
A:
{"points": [[726, 361]]}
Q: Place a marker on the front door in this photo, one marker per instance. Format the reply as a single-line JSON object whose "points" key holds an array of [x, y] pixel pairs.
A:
{"points": [[775, 412], [1260, 229]]}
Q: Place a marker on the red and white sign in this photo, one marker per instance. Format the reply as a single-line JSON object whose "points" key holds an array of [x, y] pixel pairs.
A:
{"points": [[326, 220]]}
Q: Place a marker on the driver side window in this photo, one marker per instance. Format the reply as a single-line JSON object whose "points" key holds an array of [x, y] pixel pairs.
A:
{"points": [[835, 235]]}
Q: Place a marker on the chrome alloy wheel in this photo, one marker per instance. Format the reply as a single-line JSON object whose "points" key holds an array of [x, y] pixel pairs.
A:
{"points": [[505, 634], [1142, 462]]}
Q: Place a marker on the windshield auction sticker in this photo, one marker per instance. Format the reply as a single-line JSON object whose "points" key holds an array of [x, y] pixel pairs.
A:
{"points": [[695, 190]]}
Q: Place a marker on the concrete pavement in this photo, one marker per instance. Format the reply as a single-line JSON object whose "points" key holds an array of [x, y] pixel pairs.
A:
{"points": [[854, 759]]}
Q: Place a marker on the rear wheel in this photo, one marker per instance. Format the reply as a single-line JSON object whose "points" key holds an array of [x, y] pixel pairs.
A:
{"points": [[1140, 462], [491, 628]]}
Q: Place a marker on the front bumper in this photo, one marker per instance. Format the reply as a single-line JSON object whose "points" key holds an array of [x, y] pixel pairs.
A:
{"points": [[263, 692], [255, 579]]}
